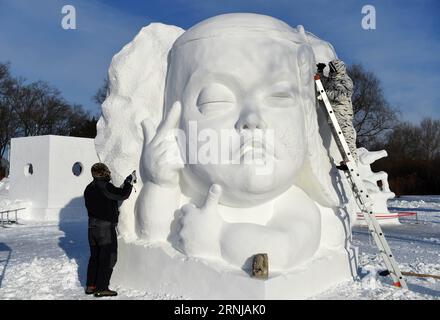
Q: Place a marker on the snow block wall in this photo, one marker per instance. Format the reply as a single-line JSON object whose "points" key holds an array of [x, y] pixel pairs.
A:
{"points": [[51, 173], [204, 222]]}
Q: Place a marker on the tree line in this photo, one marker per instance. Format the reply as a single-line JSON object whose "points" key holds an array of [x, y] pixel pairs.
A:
{"points": [[413, 162], [37, 108]]}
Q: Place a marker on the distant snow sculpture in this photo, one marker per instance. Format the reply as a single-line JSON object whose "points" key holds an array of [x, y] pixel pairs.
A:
{"points": [[379, 194]]}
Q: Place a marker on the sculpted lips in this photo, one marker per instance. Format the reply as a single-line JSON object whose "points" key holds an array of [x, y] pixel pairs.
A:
{"points": [[259, 148]]}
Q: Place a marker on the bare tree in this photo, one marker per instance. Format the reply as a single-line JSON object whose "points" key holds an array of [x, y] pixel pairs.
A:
{"points": [[373, 116], [429, 142], [403, 142], [4, 74], [416, 142], [102, 92], [77, 120], [37, 109], [8, 123], [413, 164]]}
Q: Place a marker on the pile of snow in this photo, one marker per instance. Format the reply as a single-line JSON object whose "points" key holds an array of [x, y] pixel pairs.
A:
{"points": [[5, 202], [371, 286], [8, 204], [414, 202], [42, 278], [426, 207]]}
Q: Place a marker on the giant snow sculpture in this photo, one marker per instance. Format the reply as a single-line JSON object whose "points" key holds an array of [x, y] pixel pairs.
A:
{"points": [[193, 225]]}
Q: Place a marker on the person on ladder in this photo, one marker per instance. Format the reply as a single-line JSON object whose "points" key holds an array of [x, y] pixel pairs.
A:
{"points": [[339, 88]]}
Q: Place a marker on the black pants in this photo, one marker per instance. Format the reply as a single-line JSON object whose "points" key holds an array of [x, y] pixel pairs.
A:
{"points": [[103, 253]]}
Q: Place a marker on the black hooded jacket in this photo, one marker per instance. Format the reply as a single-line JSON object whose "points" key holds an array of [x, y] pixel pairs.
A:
{"points": [[101, 198]]}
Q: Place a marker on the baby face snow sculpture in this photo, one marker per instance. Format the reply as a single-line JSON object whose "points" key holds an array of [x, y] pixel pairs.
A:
{"points": [[230, 74], [245, 74]]}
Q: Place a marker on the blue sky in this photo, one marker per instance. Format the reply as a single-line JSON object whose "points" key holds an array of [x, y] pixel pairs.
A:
{"points": [[403, 51]]}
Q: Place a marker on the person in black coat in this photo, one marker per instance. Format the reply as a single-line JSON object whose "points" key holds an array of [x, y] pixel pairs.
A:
{"points": [[101, 200]]}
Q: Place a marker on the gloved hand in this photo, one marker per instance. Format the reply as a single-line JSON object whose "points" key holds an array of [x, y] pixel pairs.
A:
{"points": [[321, 66], [133, 174], [131, 178]]}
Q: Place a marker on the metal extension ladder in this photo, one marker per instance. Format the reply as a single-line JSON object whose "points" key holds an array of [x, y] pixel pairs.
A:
{"points": [[361, 194]]}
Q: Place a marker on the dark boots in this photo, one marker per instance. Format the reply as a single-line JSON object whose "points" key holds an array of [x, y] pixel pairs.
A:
{"points": [[90, 289], [105, 293], [100, 293]]}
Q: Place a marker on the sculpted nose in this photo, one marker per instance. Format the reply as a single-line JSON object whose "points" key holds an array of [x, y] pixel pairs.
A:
{"points": [[250, 121]]}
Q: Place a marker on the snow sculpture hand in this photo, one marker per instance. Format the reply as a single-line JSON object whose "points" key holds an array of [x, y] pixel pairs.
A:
{"points": [[161, 156], [201, 227]]}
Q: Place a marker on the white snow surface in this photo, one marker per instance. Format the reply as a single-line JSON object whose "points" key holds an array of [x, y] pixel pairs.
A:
{"points": [[5, 202], [42, 260]]}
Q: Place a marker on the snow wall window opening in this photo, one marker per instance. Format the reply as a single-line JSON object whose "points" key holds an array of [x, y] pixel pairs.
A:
{"points": [[77, 169], [28, 170]]}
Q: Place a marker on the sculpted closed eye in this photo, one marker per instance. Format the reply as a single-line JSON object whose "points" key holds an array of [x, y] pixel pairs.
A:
{"points": [[212, 95], [282, 95], [281, 100]]}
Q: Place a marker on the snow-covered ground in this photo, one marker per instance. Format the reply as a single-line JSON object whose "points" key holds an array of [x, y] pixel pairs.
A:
{"points": [[5, 202], [48, 261], [416, 246]]}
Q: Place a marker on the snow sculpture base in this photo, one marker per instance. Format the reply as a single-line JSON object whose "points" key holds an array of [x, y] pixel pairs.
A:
{"points": [[162, 270]]}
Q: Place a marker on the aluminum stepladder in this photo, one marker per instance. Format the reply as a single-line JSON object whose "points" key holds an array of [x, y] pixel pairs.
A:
{"points": [[360, 193]]}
